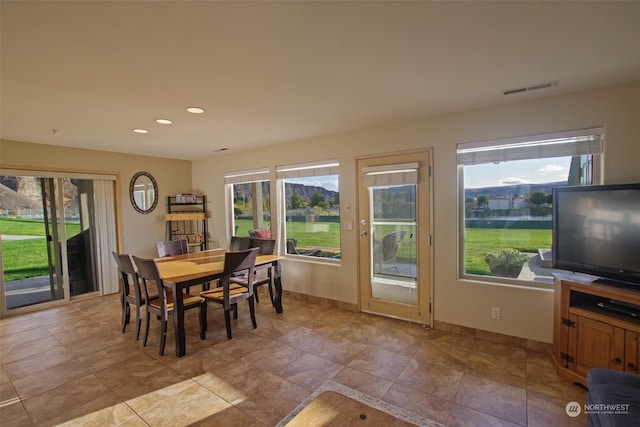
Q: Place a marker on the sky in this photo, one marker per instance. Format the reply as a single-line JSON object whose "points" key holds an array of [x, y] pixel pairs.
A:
{"points": [[517, 172]]}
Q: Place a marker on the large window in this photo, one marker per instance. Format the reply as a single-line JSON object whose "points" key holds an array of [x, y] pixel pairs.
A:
{"points": [[505, 192], [309, 200], [249, 203]]}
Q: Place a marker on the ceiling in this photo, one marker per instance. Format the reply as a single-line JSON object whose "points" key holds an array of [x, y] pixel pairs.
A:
{"points": [[85, 73]]}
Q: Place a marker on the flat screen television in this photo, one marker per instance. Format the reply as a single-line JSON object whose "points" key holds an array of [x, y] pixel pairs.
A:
{"points": [[596, 230]]}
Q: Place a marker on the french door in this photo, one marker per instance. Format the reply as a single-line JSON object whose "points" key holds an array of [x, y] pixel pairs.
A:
{"points": [[54, 238], [394, 224]]}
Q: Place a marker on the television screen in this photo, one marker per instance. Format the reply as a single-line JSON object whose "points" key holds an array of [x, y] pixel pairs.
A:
{"points": [[596, 230]]}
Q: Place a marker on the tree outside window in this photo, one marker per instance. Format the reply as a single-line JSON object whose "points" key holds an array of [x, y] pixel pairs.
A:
{"points": [[249, 201]]}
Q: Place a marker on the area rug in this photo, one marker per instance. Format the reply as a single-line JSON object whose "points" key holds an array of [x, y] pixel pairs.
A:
{"points": [[334, 404]]}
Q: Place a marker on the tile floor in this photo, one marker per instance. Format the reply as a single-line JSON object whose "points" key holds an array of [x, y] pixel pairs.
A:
{"points": [[72, 365]]}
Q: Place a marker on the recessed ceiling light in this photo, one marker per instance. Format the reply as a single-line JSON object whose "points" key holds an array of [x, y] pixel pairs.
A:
{"points": [[164, 121], [195, 110], [139, 130]]}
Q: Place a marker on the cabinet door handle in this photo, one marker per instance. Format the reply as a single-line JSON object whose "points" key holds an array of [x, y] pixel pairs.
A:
{"points": [[631, 366], [616, 361]]}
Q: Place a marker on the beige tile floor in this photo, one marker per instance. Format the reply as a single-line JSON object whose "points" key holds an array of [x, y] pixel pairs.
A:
{"points": [[72, 365]]}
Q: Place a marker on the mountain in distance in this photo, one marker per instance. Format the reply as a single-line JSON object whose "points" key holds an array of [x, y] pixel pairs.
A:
{"points": [[25, 192], [11, 200], [306, 191], [513, 190]]}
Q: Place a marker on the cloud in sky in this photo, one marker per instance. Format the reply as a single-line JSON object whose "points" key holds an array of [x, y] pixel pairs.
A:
{"points": [[513, 180], [552, 169], [533, 171]]}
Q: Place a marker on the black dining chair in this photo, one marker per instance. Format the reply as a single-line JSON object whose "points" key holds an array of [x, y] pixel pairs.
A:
{"points": [[175, 247], [239, 243], [172, 247], [263, 274], [163, 306], [229, 294], [130, 292]]}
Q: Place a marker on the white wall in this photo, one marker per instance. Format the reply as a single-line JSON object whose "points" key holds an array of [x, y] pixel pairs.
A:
{"points": [[526, 312]]}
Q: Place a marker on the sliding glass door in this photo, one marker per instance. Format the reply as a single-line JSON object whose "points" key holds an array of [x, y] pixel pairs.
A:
{"points": [[51, 245]]}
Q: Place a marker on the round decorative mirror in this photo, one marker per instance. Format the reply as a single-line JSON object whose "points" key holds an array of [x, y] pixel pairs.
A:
{"points": [[143, 192]]}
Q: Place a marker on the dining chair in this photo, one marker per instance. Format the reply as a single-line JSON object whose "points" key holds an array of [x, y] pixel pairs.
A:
{"points": [[163, 306], [228, 294], [239, 243], [263, 274], [175, 247], [130, 292], [172, 247]]}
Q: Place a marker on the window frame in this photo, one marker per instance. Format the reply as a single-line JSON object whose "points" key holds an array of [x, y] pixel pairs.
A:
{"points": [[303, 170], [588, 142], [242, 177]]}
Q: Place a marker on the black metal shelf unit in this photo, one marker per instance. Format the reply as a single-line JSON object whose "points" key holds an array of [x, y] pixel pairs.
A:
{"points": [[186, 218]]}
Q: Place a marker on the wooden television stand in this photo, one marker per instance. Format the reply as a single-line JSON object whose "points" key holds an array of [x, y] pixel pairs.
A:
{"points": [[594, 326]]}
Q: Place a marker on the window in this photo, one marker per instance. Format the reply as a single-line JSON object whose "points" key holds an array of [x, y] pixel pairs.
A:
{"points": [[392, 215], [309, 199], [249, 201], [505, 193]]}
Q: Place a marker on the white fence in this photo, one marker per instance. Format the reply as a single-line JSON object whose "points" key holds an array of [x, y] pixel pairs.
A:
{"points": [[36, 214]]}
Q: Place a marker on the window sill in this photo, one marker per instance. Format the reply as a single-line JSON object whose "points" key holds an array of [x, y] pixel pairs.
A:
{"points": [[506, 282], [314, 260]]}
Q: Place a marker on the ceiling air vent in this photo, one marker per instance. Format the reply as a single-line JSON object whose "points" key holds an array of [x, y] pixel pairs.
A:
{"points": [[530, 87]]}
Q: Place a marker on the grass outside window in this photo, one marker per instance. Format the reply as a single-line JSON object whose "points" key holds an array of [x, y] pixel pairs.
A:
{"points": [[28, 258], [481, 241]]}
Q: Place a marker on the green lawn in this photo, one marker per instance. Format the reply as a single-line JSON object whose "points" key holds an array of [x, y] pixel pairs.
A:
{"points": [[21, 227], [306, 232], [480, 241], [26, 258]]}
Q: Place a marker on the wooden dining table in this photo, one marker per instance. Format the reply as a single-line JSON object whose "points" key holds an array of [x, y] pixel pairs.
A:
{"points": [[181, 271]]}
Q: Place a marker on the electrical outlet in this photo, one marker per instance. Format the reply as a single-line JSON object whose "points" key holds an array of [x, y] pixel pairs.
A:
{"points": [[495, 313]]}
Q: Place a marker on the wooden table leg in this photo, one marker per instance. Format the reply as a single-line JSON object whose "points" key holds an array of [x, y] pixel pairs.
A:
{"points": [[178, 320], [277, 284]]}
